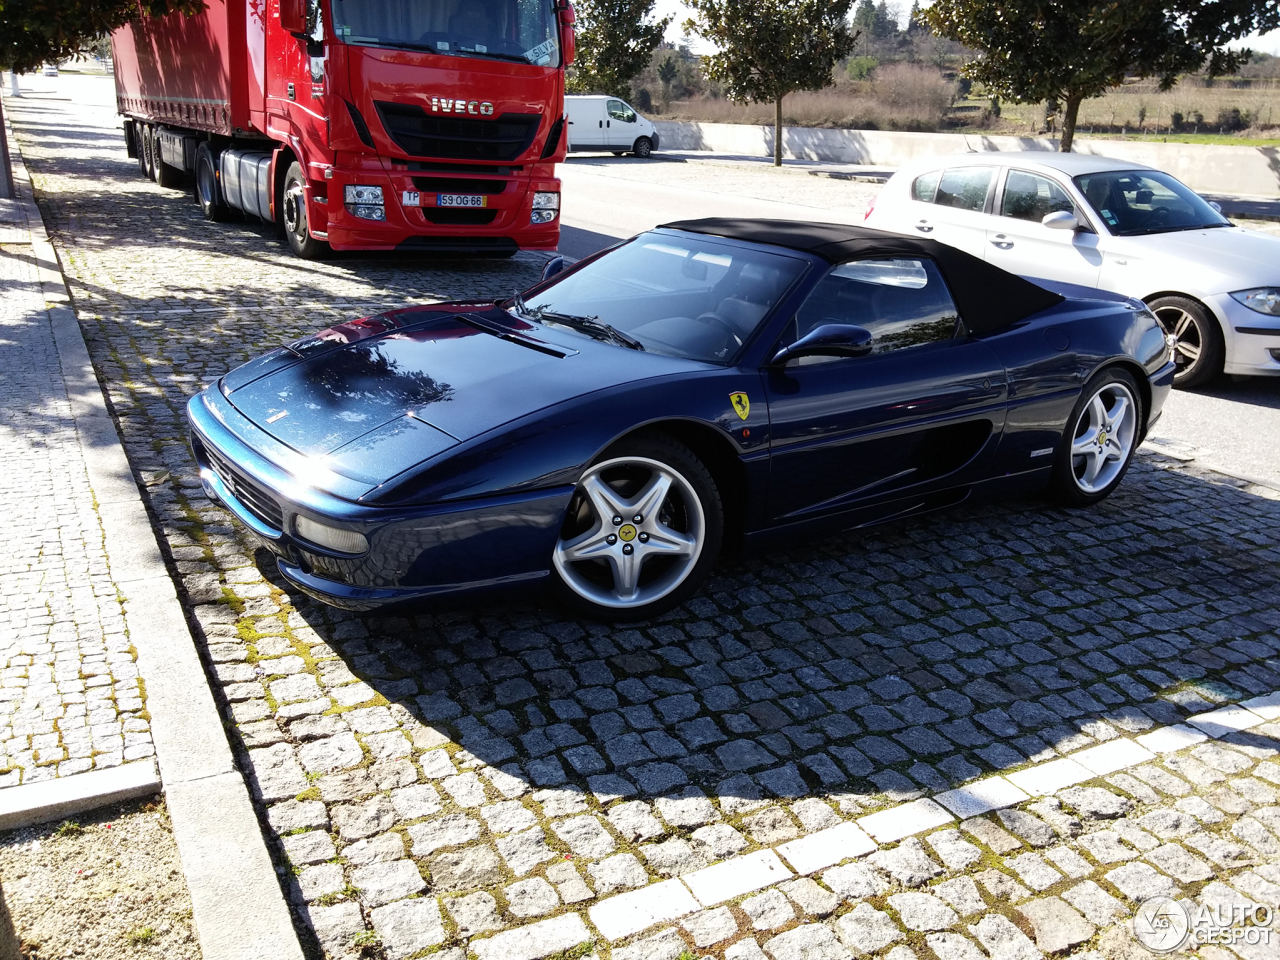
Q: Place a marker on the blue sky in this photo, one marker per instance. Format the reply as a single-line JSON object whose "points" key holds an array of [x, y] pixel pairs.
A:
{"points": [[1270, 43]]}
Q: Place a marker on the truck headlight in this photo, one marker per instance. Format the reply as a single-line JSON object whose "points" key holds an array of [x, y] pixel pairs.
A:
{"points": [[546, 201], [1262, 300], [364, 202], [542, 216], [331, 538], [357, 194]]}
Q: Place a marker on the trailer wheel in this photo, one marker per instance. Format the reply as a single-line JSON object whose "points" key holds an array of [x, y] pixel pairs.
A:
{"points": [[208, 193], [149, 151], [167, 176], [139, 148], [293, 216]]}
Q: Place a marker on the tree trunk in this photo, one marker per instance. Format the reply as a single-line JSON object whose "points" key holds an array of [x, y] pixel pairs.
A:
{"points": [[777, 132], [1069, 114]]}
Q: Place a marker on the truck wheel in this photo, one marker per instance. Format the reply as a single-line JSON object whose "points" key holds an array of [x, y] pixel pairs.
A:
{"points": [[148, 153], [208, 193], [293, 216], [643, 147], [168, 177]]}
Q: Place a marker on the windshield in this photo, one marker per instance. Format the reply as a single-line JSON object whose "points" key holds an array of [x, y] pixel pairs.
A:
{"points": [[521, 30], [683, 297], [1138, 202]]}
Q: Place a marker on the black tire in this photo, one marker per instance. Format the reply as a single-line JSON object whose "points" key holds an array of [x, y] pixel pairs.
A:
{"points": [[1201, 349], [618, 153], [139, 148], [1067, 485], [291, 215], [168, 177], [643, 147], [208, 189], [669, 579], [148, 152]]}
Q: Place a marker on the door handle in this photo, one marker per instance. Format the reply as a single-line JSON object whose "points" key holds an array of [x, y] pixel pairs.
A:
{"points": [[924, 227], [292, 93], [1122, 263], [1003, 242]]}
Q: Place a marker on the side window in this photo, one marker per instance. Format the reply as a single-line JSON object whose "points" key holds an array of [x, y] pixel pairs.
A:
{"points": [[925, 186], [620, 111], [965, 187], [1031, 197], [904, 303]]}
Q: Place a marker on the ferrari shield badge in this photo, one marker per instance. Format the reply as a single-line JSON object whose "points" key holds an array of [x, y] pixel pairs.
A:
{"points": [[741, 404]]}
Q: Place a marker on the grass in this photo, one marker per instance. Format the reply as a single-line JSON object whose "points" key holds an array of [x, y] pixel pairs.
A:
{"points": [[140, 936], [69, 828]]}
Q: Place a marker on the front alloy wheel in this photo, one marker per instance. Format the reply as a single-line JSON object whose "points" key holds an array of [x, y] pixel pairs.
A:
{"points": [[1198, 348], [1105, 429], [640, 534]]}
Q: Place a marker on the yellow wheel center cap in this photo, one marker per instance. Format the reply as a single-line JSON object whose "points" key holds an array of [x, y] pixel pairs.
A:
{"points": [[626, 533]]}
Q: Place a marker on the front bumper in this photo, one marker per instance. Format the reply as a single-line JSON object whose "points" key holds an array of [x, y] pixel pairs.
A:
{"points": [[501, 227], [1252, 339], [444, 550]]}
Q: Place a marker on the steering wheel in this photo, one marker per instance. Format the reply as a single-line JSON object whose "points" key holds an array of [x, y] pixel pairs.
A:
{"points": [[715, 320], [1159, 215]]}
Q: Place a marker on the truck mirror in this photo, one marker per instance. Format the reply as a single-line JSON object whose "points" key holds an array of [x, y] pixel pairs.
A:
{"points": [[293, 16], [568, 42]]}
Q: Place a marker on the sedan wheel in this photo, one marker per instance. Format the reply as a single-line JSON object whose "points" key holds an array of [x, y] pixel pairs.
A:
{"points": [[1198, 346], [641, 532], [1105, 429]]}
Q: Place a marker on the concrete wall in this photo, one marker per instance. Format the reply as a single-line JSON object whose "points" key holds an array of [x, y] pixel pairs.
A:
{"points": [[1246, 171]]}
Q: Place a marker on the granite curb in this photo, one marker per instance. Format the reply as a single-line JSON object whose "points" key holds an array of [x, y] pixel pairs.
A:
{"points": [[238, 909]]}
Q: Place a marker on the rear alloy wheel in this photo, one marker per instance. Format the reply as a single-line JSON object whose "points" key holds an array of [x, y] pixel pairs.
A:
{"points": [[641, 533], [208, 193], [293, 216], [1100, 441], [643, 147], [1199, 349]]}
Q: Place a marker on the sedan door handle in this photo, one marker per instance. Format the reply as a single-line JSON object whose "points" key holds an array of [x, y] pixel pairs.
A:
{"points": [[1003, 242], [924, 227]]}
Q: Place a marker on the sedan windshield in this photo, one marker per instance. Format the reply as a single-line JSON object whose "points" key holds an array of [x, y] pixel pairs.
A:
{"points": [[518, 30], [1137, 202], [680, 296]]}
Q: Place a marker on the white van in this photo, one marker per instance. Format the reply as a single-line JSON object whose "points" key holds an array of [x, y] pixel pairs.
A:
{"points": [[608, 124]]}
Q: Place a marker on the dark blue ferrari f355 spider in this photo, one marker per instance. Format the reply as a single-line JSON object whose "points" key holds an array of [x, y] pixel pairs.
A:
{"points": [[708, 383]]}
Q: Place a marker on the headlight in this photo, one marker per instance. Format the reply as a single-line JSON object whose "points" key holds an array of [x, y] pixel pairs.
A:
{"points": [[331, 538], [358, 194], [367, 211], [546, 201], [542, 216], [1262, 300]]}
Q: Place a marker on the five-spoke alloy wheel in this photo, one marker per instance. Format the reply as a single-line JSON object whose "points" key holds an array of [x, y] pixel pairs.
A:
{"points": [[1103, 433], [642, 529], [1198, 349]]}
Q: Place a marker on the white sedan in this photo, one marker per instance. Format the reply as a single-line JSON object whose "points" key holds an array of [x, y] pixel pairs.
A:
{"points": [[1112, 225]]}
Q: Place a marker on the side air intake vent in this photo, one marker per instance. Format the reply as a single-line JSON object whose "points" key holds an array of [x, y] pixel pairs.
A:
{"points": [[362, 128]]}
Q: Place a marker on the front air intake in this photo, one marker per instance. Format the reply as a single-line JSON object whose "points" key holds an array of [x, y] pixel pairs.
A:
{"points": [[420, 134]]}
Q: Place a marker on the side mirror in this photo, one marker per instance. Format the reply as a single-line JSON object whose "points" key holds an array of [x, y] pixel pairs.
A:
{"points": [[827, 340], [568, 42], [1061, 220], [293, 16], [555, 266], [1217, 207]]}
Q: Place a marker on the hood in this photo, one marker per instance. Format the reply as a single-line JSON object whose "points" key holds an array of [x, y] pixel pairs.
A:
{"points": [[376, 405], [1238, 258]]}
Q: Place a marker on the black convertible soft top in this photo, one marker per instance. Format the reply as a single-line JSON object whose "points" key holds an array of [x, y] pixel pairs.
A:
{"points": [[987, 297]]}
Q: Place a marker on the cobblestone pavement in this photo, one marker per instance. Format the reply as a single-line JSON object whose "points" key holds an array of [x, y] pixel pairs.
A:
{"points": [[746, 777], [70, 696]]}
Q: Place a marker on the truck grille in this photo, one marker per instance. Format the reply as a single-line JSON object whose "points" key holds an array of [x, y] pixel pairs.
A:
{"points": [[251, 496], [420, 134]]}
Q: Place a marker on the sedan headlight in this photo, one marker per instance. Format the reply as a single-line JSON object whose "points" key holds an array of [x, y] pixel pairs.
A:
{"points": [[1262, 300], [331, 538]]}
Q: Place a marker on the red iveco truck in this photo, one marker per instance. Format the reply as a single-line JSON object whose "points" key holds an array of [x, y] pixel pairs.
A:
{"points": [[431, 125]]}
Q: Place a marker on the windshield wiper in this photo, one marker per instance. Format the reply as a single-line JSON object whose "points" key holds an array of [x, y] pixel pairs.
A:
{"points": [[401, 45], [513, 57], [592, 326]]}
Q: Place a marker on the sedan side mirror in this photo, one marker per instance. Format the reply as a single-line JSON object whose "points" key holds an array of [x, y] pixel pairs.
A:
{"points": [[827, 340], [1217, 207], [554, 267], [1061, 220]]}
